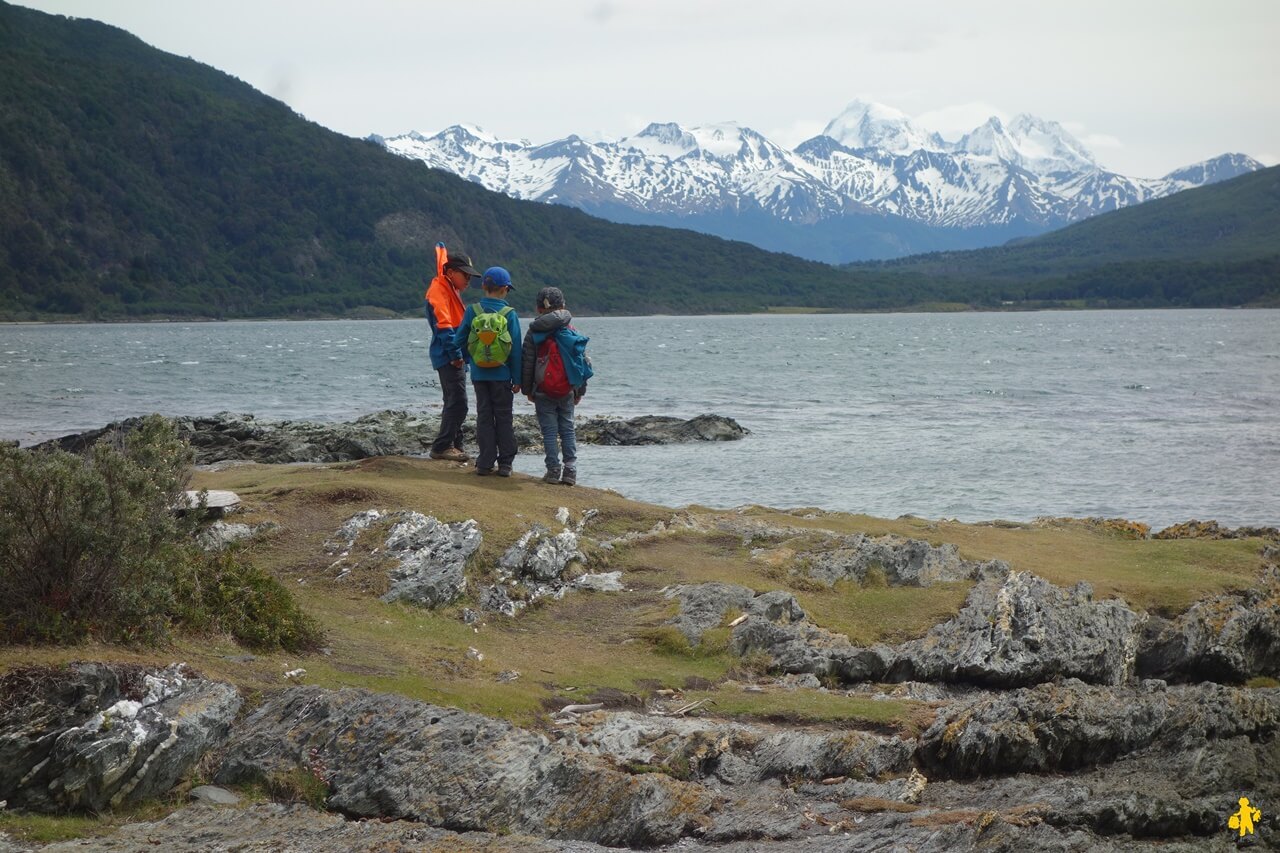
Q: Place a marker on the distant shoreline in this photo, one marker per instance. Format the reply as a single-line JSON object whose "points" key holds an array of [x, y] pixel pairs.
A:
{"points": [[777, 312]]}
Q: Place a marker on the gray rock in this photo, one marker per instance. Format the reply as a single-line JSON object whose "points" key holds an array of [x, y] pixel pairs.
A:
{"points": [[901, 561], [1016, 629], [497, 600], [735, 754], [213, 795], [600, 582], [277, 828], [1225, 638], [802, 647], [432, 557], [220, 534], [659, 429], [388, 756], [776, 606], [1056, 727], [94, 736], [341, 542], [703, 606], [541, 556]]}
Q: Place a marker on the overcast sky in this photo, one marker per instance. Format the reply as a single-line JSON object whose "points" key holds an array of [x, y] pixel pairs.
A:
{"points": [[1148, 85]]}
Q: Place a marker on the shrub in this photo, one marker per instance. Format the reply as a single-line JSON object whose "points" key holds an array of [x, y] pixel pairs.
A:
{"points": [[235, 597], [90, 546]]}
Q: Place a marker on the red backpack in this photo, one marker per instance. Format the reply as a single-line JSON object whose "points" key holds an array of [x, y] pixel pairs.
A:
{"points": [[549, 376]]}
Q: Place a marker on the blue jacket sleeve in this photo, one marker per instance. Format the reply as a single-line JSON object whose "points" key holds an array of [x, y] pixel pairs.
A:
{"points": [[460, 336], [515, 360]]}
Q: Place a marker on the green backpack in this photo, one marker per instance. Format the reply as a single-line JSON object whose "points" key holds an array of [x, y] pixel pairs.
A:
{"points": [[489, 341]]}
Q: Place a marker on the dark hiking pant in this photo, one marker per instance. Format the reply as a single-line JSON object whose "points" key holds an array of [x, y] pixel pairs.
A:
{"points": [[495, 432], [453, 383]]}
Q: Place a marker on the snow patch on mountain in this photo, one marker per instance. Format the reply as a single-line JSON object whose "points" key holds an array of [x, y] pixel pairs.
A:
{"points": [[1027, 174]]}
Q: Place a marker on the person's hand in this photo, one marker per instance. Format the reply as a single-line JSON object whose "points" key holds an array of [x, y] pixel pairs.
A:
{"points": [[515, 389], [457, 362], [577, 396]]}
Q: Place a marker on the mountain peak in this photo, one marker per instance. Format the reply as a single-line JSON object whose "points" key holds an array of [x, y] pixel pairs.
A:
{"points": [[1041, 147], [867, 124], [1221, 168]]}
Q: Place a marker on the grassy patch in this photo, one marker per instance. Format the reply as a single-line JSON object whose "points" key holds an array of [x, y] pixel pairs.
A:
{"points": [[813, 707], [883, 614], [35, 828]]}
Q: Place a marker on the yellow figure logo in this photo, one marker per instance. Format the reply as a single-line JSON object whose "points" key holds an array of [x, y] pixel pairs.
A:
{"points": [[1244, 819]]}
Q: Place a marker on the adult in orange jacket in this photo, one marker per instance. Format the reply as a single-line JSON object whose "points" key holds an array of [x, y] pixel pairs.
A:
{"points": [[444, 312]]}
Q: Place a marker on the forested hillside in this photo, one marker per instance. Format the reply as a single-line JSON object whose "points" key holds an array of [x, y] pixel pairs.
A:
{"points": [[136, 183], [1215, 245]]}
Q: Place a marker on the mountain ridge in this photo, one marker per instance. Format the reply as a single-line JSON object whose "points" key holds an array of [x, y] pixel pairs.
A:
{"points": [[998, 182]]}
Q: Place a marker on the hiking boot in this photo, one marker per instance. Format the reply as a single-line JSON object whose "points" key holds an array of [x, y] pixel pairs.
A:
{"points": [[569, 477], [452, 454], [552, 476], [466, 457], [504, 470], [483, 472]]}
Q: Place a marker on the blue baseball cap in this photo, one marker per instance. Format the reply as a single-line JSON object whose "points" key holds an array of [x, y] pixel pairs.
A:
{"points": [[497, 277]]}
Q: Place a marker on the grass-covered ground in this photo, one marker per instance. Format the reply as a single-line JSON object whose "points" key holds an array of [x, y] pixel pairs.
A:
{"points": [[612, 646]]}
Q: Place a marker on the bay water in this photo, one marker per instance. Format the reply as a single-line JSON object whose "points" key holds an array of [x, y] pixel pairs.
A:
{"points": [[1156, 416]]}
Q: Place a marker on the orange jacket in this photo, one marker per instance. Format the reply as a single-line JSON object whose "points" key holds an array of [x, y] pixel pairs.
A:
{"points": [[444, 312]]}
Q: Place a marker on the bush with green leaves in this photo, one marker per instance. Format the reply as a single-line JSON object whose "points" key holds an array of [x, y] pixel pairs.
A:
{"points": [[90, 546]]}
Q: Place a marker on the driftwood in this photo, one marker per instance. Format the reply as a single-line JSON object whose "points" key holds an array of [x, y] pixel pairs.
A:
{"points": [[684, 709], [569, 713]]}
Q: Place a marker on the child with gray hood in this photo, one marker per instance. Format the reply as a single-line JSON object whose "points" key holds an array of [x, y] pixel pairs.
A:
{"points": [[555, 370]]}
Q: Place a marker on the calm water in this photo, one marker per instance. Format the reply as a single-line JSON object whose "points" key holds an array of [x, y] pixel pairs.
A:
{"points": [[1158, 416]]}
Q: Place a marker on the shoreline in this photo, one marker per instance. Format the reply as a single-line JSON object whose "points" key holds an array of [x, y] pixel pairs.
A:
{"points": [[776, 312], [404, 434]]}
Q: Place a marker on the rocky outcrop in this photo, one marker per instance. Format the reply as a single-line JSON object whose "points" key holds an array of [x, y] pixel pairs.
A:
{"points": [[243, 437], [388, 756], [1061, 766], [222, 534], [659, 429], [430, 556], [897, 560], [734, 754], [1058, 727], [1228, 638], [1194, 529], [1014, 629], [703, 606], [278, 828], [540, 555], [93, 736]]}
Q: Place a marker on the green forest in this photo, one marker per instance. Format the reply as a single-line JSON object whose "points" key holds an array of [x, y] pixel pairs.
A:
{"points": [[1214, 245], [136, 184]]}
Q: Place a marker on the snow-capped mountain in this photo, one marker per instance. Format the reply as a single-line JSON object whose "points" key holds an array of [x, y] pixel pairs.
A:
{"points": [[872, 185], [1041, 147], [869, 125]]}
